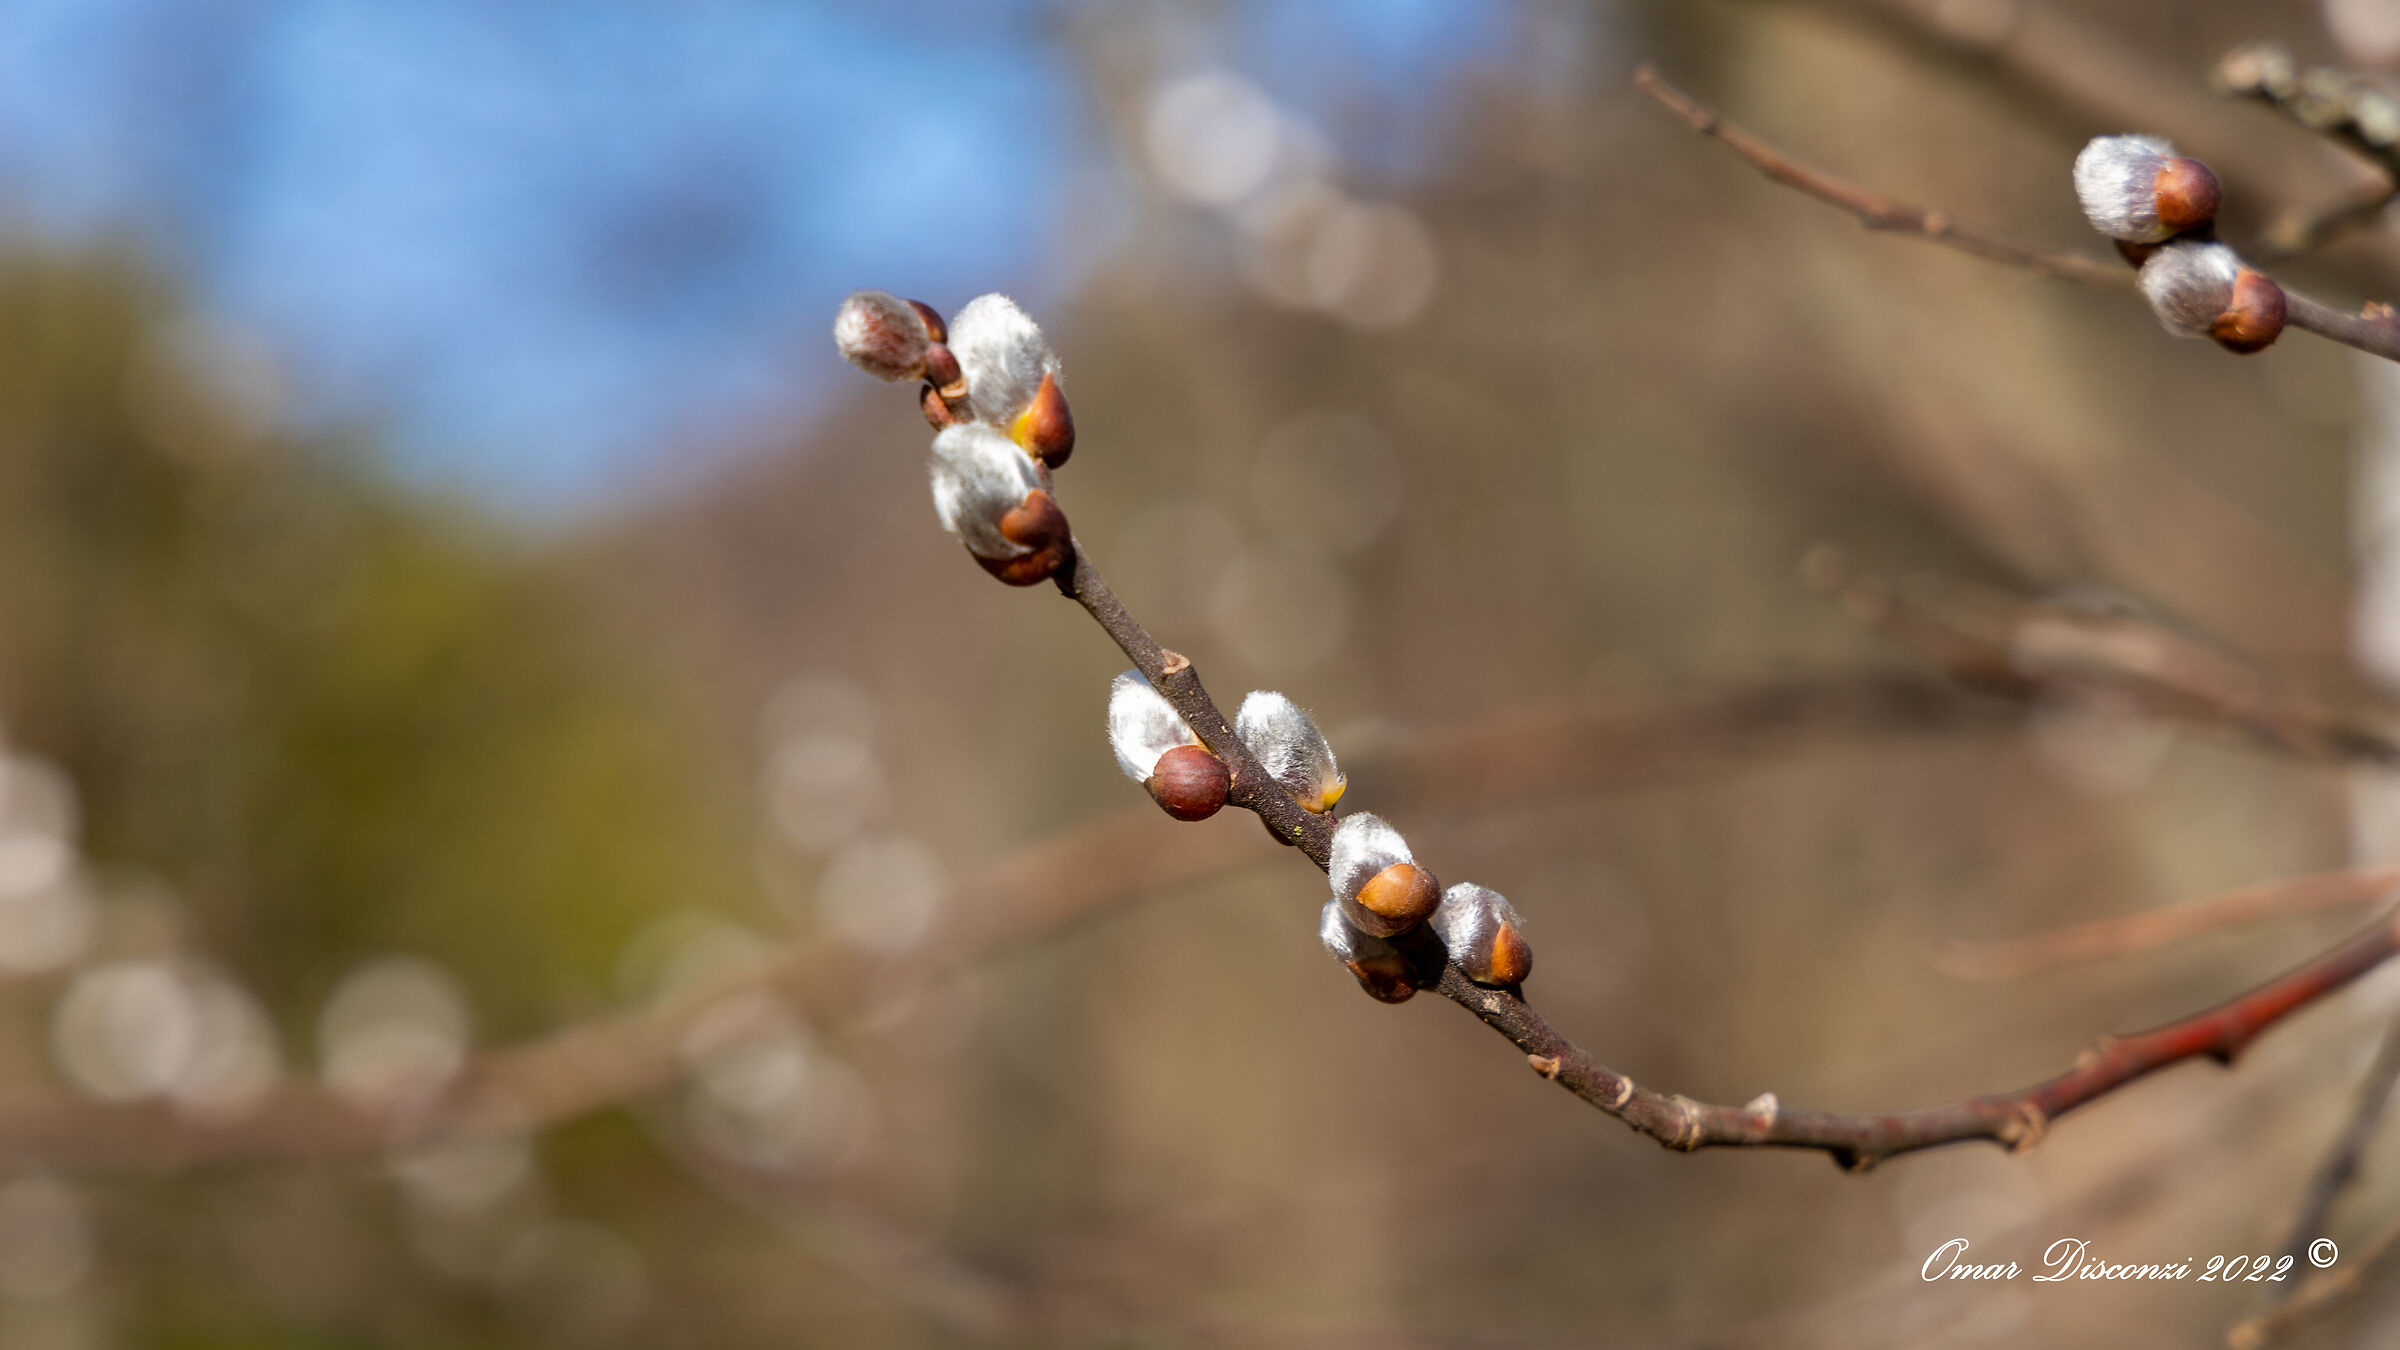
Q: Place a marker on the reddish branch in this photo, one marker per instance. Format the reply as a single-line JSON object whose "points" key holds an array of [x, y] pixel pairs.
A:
{"points": [[2374, 330], [1855, 1141], [2131, 934]]}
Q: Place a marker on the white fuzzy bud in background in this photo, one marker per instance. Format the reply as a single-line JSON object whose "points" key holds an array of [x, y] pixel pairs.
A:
{"points": [[2189, 284], [1483, 934], [1142, 725], [882, 335], [2204, 290], [2137, 189], [1290, 748], [979, 476], [1381, 970], [2116, 179], [1004, 356], [1382, 890]]}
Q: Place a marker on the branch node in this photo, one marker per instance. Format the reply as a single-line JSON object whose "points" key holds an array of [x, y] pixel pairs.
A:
{"points": [[1687, 1124], [1172, 662], [1766, 1108], [2028, 1128], [1545, 1065], [1624, 1094]]}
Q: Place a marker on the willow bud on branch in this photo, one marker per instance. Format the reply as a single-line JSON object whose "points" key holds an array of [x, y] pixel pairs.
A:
{"points": [[1382, 969], [1484, 935], [2203, 290], [2136, 189], [1382, 891], [1157, 749], [1291, 749]]}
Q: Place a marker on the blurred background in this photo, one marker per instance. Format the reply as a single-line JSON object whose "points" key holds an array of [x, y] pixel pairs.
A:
{"points": [[517, 827]]}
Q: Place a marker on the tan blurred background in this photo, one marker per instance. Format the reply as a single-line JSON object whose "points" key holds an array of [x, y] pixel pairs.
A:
{"points": [[911, 1024]]}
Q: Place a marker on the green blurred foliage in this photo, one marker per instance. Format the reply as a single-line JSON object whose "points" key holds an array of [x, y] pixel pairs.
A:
{"points": [[334, 716]]}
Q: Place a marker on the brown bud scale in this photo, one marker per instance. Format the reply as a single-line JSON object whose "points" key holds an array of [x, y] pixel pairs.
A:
{"points": [[2255, 318], [1046, 428], [942, 372], [2187, 194], [1512, 959], [1385, 978], [2134, 254], [934, 327], [1189, 783], [937, 413], [1399, 897]]}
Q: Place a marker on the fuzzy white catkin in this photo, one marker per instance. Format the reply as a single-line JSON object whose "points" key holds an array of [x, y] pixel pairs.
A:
{"points": [[882, 335], [1290, 748], [2116, 179], [1468, 917], [1003, 355], [1142, 725], [979, 476], [2189, 285], [1344, 942], [1363, 846]]}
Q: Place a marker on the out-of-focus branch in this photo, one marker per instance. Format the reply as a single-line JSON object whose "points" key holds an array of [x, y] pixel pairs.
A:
{"points": [[2133, 934], [1872, 210], [2341, 107], [2316, 1295], [2001, 642], [621, 1057], [2340, 1164], [2374, 329]]}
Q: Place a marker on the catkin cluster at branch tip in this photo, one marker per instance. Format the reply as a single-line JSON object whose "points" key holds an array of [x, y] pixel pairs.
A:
{"points": [[991, 392], [2161, 209]]}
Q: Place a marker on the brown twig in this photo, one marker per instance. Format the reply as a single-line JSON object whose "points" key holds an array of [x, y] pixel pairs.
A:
{"points": [[2010, 645], [1872, 210], [2132, 934], [1855, 1141], [2335, 104], [2016, 1119], [2374, 330], [2316, 1295], [2299, 231], [2340, 1163], [2346, 110]]}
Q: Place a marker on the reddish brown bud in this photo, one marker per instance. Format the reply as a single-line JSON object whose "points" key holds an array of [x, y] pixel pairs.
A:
{"points": [[934, 327], [2255, 318], [1046, 429], [1512, 960], [1399, 898], [1189, 783], [937, 413], [1041, 527], [942, 372], [2133, 253], [1384, 977], [2187, 195]]}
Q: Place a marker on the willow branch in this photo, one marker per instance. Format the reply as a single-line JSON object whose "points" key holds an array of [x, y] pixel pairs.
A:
{"points": [[2009, 645], [2374, 329], [1855, 1141], [2348, 111], [1872, 210], [2339, 1167], [2133, 934], [2318, 1294]]}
